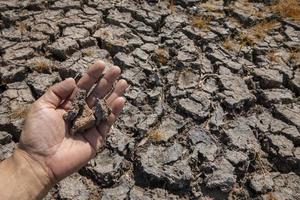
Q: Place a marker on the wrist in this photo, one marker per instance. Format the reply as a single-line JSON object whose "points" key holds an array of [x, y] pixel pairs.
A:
{"points": [[30, 177]]}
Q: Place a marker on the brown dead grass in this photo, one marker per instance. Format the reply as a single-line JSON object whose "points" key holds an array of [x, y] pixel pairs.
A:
{"points": [[22, 27], [172, 6], [261, 29], [246, 39], [228, 44], [156, 135], [88, 52], [252, 35], [162, 55], [19, 113], [287, 8], [260, 163], [235, 22], [271, 196], [294, 55], [273, 56], [257, 32], [42, 65], [201, 22]]}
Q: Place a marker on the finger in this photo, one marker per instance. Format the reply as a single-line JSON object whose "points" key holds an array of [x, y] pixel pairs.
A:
{"points": [[104, 85], [119, 91], [91, 76], [86, 81], [117, 106], [96, 136], [59, 92]]}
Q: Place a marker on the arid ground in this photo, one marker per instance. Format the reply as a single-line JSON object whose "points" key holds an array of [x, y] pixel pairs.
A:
{"points": [[213, 108]]}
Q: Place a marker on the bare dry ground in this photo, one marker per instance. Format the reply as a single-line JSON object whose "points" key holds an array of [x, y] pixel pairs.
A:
{"points": [[213, 109]]}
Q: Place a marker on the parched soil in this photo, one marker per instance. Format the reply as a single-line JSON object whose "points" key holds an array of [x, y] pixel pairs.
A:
{"points": [[213, 110]]}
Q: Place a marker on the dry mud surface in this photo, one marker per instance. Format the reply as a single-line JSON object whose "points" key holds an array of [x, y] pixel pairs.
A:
{"points": [[213, 109]]}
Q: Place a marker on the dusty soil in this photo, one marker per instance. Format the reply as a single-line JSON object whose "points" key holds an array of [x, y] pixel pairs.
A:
{"points": [[81, 117], [213, 110]]}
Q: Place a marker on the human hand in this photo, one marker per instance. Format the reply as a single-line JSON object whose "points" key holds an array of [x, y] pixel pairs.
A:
{"points": [[46, 137]]}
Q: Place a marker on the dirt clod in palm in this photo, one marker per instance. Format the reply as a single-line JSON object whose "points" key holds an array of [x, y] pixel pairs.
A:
{"points": [[82, 117], [101, 110], [83, 121], [77, 106]]}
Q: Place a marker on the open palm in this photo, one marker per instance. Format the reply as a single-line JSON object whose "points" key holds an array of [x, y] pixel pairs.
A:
{"points": [[46, 137]]}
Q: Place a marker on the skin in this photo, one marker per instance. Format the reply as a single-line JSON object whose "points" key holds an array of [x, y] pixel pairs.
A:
{"points": [[46, 137]]}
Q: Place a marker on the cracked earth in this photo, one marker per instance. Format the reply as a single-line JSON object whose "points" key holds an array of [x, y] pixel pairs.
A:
{"points": [[213, 110]]}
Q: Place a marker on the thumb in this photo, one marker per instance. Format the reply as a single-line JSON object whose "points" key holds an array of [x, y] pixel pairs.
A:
{"points": [[59, 92]]}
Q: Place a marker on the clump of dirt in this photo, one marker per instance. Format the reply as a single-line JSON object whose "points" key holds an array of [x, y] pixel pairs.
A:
{"points": [[101, 110], [82, 117]]}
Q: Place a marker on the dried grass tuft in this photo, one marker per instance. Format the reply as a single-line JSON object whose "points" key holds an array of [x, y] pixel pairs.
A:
{"points": [[228, 44], [19, 113], [42, 65], [257, 32], [156, 135], [287, 8], [201, 22], [162, 55]]}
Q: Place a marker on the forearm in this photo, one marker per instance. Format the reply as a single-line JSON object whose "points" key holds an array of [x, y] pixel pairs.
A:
{"points": [[21, 177]]}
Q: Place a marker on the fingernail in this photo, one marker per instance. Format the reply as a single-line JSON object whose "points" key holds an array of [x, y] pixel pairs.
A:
{"points": [[69, 79], [101, 62]]}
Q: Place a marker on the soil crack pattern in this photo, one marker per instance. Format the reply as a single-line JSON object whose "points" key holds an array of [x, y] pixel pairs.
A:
{"points": [[213, 107]]}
